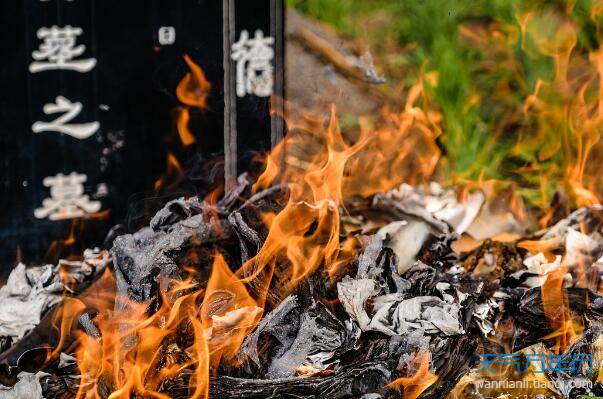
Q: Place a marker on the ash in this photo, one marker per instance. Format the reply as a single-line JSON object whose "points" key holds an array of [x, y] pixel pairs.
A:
{"points": [[409, 313]]}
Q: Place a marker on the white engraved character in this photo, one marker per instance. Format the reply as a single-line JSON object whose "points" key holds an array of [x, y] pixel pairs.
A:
{"points": [[254, 64], [59, 50], [67, 199], [61, 124]]}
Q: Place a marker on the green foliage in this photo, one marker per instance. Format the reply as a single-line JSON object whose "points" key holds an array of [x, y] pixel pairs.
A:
{"points": [[334, 12], [477, 88]]}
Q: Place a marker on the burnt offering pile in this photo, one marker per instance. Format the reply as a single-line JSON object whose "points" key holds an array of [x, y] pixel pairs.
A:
{"points": [[284, 289], [406, 315]]}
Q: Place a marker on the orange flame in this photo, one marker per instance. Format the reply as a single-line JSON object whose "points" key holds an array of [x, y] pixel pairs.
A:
{"points": [[557, 311], [192, 91], [322, 171], [225, 293], [182, 119], [194, 88], [412, 387], [134, 353], [403, 150], [172, 176], [306, 232], [563, 116]]}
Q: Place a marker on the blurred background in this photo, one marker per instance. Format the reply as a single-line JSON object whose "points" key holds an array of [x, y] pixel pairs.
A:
{"points": [[514, 86]]}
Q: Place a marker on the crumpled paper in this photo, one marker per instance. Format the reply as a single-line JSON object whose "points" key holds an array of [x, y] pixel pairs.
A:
{"points": [[24, 301], [30, 292], [28, 387], [393, 314], [405, 239], [378, 306], [581, 249], [437, 206], [303, 340], [537, 271]]}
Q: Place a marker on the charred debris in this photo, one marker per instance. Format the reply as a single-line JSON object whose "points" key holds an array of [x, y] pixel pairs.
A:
{"points": [[406, 297]]}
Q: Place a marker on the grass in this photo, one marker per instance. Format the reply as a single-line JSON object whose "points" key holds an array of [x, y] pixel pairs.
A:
{"points": [[486, 68]]}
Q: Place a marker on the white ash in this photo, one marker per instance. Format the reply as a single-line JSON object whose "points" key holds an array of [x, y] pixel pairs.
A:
{"points": [[24, 301], [405, 239], [457, 214], [30, 292], [582, 249], [372, 265], [370, 304], [492, 221], [572, 222], [223, 326], [66, 360], [538, 271], [397, 316], [450, 294], [598, 265], [28, 387], [354, 295], [488, 314], [305, 340], [438, 207], [424, 214]]}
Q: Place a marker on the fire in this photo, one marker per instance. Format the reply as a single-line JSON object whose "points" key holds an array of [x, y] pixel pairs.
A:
{"points": [[192, 91], [135, 353], [182, 120], [194, 88], [323, 171], [401, 149], [305, 233], [134, 349], [557, 311], [563, 115], [172, 176], [195, 328], [228, 310], [563, 118], [412, 387], [303, 236]]}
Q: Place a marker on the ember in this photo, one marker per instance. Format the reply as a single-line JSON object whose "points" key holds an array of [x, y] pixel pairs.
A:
{"points": [[349, 267]]}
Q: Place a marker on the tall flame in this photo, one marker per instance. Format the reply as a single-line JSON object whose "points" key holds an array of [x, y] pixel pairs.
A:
{"points": [[134, 352], [192, 91], [305, 233], [563, 115]]}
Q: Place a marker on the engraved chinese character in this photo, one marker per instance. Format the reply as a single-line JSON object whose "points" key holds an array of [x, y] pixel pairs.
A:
{"points": [[61, 124], [58, 51], [67, 199], [254, 64], [166, 35]]}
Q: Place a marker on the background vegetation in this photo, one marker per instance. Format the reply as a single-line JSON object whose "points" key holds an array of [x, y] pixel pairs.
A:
{"points": [[489, 57]]}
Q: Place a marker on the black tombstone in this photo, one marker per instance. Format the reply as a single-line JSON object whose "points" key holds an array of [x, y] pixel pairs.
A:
{"points": [[88, 110]]}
